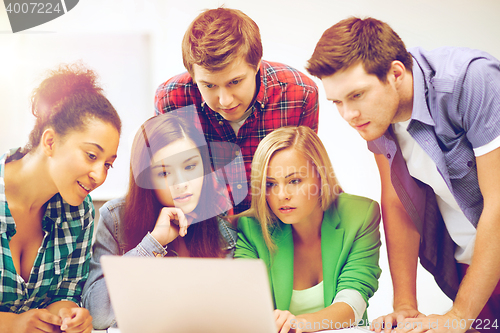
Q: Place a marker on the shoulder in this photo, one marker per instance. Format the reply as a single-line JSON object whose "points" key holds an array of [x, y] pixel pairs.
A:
{"points": [[445, 64], [248, 224], [281, 74], [112, 208], [355, 210], [177, 92], [179, 81]]}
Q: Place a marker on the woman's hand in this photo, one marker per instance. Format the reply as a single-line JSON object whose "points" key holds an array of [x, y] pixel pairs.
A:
{"points": [[287, 322], [36, 320], [75, 320], [170, 223]]}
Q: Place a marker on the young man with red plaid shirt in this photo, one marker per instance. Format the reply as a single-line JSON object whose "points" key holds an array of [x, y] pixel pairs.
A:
{"points": [[239, 98]]}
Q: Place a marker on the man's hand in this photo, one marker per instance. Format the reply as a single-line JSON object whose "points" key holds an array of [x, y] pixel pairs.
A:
{"points": [[447, 323], [393, 319]]}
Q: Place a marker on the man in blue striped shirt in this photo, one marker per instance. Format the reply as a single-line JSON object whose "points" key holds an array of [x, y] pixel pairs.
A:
{"points": [[432, 118]]}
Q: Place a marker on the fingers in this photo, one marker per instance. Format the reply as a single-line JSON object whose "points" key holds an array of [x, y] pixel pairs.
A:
{"points": [[75, 320], [177, 217], [38, 319], [285, 321], [183, 222]]}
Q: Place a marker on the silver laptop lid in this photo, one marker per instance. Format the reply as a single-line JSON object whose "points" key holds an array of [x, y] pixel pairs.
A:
{"points": [[189, 295]]}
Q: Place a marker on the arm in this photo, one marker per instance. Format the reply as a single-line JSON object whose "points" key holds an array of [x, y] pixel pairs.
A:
{"points": [[360, 272], [65, 302], [402, 240], [244, 247], [36, 320], [484, 271], [95, 293]]}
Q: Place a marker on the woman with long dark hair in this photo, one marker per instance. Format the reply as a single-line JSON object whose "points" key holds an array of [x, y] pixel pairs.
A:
{"points": [[172, 193]]}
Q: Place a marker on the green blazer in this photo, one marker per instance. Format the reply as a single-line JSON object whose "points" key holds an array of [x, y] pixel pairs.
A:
{"points": [[350, 243]]}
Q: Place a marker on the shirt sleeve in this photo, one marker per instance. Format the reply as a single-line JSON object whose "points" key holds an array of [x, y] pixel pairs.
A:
{"points": [[244, 246], [361, 270], [479, 104], [310, 115], [354, 299], [95, 294]]}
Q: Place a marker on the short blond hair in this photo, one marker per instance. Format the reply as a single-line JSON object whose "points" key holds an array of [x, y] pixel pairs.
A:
{"points": [[307, 142]]}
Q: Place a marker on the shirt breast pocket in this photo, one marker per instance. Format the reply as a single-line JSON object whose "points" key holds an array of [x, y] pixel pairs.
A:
{"points": [[461, 163], [59, 269]]}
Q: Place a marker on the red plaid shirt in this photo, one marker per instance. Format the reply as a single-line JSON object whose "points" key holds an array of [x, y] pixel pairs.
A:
{"points": [[286, 97]]}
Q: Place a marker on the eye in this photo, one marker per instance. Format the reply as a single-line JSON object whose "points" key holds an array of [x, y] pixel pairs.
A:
{"points": [[337, 102], [108, 165], [357, 95], [190, 167], [295, 181], [234, 82], [209, 85], [91, 156], [269, 185], [163, 174]]}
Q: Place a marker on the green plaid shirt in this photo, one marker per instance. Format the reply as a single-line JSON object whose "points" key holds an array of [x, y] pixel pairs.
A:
{"points": [[62, 264]]}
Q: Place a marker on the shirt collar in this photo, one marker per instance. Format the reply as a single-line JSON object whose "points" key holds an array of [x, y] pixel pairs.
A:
{"points": [[7, 223], [261, 97], [420, 111]]}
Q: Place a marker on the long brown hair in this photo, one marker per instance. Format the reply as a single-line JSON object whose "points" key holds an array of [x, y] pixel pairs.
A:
{"points": [[141, 205]]}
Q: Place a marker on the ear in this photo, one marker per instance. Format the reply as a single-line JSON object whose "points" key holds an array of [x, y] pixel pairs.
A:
{"points": [[397, 72], [47, 141]]}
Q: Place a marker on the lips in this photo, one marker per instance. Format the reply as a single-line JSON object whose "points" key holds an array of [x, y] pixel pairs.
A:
{"points": [[87, 189], [361, 126], [183, 197], [229, 110], [286, 209]]}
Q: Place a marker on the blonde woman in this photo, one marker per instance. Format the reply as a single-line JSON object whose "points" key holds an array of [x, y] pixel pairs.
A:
{"points": [[321, 246]]}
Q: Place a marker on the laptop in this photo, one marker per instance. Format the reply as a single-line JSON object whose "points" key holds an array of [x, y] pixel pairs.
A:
{"points": [[159, 295]]}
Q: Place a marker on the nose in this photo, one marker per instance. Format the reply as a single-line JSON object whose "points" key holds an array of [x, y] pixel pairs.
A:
{"points": [[99, 174], [178, 180], [347, 112], [283, 193], [225, 98]]}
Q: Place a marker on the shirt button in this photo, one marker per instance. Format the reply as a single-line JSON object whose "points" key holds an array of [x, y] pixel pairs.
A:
{"points": [[470, 164], [239, 186], [388, 155], [221, 122], [237, 153]]}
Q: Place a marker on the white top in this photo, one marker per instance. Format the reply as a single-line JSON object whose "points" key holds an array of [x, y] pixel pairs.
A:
{"points": [[308, 300], [422, 167]]}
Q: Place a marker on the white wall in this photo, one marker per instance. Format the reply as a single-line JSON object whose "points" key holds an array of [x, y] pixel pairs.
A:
{"points": [[135, 45]]}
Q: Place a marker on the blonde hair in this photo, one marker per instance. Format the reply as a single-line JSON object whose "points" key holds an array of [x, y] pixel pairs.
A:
{"points": [[304, 140]]}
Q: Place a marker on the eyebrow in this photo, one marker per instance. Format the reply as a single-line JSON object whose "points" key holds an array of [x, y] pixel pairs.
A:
{"points": [[352, 92], [98, 147], [287, 176], [166, 165], [238, 77]]}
